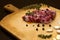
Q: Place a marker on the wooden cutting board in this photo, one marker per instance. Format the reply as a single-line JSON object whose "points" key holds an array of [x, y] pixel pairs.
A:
{"points": [[15, 24]]}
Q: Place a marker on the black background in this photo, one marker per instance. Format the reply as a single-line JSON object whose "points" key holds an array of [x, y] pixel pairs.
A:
{"points": [[4, 35]]}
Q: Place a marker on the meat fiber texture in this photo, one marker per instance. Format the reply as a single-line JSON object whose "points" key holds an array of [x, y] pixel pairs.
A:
{"points": [[40, 16]]}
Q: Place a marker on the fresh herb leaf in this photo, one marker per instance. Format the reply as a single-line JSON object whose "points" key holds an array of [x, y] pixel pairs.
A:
{"points": [[32, 6], [39, 35], [38, 7], [29, 13], [44, 36]]}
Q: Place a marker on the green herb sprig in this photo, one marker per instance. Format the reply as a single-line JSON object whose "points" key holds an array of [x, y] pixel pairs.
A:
{"points": [[29, 13], [37, 6], [45, 36]]}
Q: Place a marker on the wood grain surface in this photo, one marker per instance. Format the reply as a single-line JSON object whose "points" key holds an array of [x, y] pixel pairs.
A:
{"points": [[14, 24]]}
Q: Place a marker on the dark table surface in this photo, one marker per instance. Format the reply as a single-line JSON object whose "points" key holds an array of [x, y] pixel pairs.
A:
{"points": [[5, 35]]}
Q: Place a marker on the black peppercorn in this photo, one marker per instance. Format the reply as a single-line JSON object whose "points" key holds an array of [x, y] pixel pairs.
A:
{"points": [[38, 25], [36, 29], [43, 29], [49, 25], [47, 9], [33, 25], [26, 25], [43, 25]]}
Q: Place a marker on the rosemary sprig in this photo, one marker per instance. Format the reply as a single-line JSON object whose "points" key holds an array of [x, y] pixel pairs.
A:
{"points": [[45, 36], [29, 13], [37, 6]]}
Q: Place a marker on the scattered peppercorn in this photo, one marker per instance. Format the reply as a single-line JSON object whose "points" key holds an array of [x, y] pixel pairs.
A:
{"points": [[36, 29], [38, 25], [43, 29], [47, 9], [43, 25], [33, 25], [49, 25], [26, 25]]}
